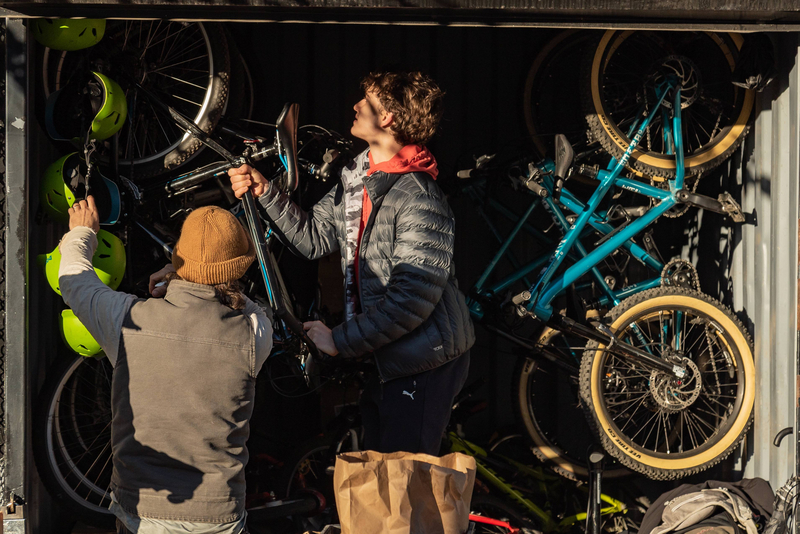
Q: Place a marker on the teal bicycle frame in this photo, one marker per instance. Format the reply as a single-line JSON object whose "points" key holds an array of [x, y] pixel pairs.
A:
{"points": [[584, 261], [549, 285]]}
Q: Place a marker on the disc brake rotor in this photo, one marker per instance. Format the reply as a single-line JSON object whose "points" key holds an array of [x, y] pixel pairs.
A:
{"points": [[688, 77], [675, 394]]}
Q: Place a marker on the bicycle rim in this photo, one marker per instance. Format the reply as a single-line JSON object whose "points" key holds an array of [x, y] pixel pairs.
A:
{"points": [[622, 74], [79, 434], [553, 78], [550, 410], [185, 65], [662, 426]]}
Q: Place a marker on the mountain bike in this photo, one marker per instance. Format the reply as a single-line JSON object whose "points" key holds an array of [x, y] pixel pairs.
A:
{"points": [[73, 416], [532, 497], [546, 378], [669, 383]]}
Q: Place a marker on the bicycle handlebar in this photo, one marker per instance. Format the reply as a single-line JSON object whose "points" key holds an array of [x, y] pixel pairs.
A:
{"points": [[194, 178]]}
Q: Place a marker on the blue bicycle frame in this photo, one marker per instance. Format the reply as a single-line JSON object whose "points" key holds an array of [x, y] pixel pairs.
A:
{"points": [[549, 285], [597, 222], [586, 262]]}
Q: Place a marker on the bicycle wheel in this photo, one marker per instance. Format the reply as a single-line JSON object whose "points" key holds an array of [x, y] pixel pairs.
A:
{"points": [[548, 406], [312, 469], [554, 78], [183, 64], [663, 427], [621, 77], [72, 445]]}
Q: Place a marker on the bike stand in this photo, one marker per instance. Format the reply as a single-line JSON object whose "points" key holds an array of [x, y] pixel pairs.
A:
{"points": [[593, 514]]}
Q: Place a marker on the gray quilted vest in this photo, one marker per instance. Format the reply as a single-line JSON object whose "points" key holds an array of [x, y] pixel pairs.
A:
{"points": [[181, 397]]}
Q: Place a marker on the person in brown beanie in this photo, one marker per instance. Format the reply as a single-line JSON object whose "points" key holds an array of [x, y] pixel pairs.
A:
{"points": [[185, 368]]}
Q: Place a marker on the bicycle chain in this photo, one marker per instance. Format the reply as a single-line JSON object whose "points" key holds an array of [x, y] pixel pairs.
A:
{"points": [[669, 274], [679, 209]]}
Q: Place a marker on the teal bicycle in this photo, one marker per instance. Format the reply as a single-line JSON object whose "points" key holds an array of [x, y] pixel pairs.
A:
{"points": [[667, 376]]}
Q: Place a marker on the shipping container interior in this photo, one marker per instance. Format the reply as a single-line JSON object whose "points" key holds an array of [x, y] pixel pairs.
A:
{"points": [[487, 75]]}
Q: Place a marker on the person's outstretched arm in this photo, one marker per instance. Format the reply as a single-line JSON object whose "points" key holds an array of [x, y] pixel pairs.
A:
{"points": [[312, 234], [101, 309]]}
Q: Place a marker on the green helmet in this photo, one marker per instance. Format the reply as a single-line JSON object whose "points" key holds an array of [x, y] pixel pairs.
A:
{"points": [[56, 195], [97, 97], [65, 182], [76, 336], [68, 34], [113, 110], [108, 261]]}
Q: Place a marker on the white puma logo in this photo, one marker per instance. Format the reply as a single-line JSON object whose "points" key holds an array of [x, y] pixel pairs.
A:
{"points": [[410, 394]]}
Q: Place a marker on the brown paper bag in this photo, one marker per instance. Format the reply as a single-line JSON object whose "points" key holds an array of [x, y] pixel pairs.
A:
{"points": [[403, 493]]}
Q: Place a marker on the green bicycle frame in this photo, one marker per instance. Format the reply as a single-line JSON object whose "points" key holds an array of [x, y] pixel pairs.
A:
{"points": [[483, 459]]}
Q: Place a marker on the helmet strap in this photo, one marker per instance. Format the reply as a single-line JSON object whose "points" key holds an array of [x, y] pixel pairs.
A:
{"points": [[89, 148]]}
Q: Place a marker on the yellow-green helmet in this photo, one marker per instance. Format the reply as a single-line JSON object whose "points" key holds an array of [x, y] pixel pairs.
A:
{"points": [[77, 337], [108, 262], [58, 195], [98, 98], [113, 109], [68, 34]]}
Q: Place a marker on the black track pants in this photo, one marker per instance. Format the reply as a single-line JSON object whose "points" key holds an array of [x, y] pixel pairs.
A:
{"points": [[411, 413]]}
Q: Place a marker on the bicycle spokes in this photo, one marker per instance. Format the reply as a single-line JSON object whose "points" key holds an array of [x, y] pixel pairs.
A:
{"points": [[661, 412]]}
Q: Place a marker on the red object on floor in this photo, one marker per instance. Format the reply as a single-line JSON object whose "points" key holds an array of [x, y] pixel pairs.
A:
{"points": [[495, 522]]}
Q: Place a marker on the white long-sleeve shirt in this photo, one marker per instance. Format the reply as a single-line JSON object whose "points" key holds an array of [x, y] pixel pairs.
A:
{"points": [[103, 311]]}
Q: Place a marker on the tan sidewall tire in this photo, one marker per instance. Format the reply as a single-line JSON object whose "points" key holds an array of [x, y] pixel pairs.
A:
{"points": [[703, 160], [742, 420]]}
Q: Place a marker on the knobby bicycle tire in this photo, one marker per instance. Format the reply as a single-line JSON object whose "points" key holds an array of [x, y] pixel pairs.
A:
{"points": [[151, 144], [704, 415], [618, 78]]}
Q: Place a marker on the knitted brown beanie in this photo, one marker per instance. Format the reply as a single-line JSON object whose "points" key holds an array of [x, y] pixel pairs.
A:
{"points": [[213, 247]]}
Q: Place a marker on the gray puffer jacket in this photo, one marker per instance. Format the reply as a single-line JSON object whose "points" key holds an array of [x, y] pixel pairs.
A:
{"points": [[414, 318]]}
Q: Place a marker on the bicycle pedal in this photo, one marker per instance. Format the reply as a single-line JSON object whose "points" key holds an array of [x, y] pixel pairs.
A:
{"points": [[731, 207], [329, 470]]}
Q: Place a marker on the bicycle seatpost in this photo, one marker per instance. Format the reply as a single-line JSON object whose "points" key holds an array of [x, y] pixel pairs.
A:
{"points": [[593, 515], [564, 157]]}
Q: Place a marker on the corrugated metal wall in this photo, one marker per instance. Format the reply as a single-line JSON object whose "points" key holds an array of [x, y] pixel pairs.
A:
{"points": [[764, 269]]}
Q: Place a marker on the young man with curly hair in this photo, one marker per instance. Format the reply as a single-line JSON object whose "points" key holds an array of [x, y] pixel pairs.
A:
{"points": [[395, 232]]}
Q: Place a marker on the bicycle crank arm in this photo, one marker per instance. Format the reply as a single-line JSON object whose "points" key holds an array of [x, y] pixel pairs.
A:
{"points": [[725, 204], [603, 335]]}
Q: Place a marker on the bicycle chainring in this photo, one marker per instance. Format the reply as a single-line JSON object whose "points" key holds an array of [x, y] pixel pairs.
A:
{"points": [[689, 183], [680, 273]]}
